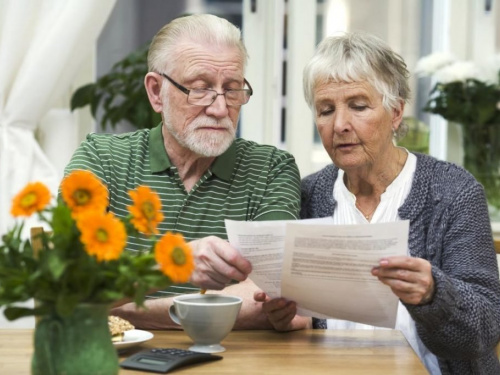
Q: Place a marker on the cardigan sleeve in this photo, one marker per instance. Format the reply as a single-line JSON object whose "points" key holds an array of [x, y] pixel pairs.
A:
{"points": [[463, 319]]}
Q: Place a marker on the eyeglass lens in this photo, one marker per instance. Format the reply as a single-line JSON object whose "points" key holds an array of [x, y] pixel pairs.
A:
{"points": [[207, 97]]}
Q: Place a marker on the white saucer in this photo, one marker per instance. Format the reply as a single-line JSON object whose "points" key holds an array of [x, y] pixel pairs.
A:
{"points": [[132, 338]]}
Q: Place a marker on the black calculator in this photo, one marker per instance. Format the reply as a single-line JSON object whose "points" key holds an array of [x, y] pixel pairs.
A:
{"points": [[164, 360]]}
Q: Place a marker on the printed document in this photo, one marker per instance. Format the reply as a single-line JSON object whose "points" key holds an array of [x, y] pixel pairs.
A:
{"points": [[324, 268]]}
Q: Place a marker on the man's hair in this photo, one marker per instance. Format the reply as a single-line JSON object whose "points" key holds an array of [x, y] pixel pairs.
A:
{"points": [[199, 28], [356, 57]]}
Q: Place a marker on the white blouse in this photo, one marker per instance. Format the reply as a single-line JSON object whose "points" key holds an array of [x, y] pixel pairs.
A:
{"points": [[387, 211]]}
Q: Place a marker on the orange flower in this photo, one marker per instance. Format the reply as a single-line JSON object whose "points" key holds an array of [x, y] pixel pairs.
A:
{"points": [[33, 198], [82, 190], [145, 212], [102, 234], [175, 258]]}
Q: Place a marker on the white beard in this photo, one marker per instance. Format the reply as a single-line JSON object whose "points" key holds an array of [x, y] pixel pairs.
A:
{"points": [[205, 143]]}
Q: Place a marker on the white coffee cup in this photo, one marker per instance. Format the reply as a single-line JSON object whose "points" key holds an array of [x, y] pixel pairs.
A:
{"points": [[206, 318]]}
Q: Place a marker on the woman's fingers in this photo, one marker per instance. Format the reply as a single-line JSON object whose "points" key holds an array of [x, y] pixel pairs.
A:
{"points": [[409, 278]]}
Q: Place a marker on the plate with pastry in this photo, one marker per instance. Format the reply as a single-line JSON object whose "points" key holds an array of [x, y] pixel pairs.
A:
{"points": [[124, 335]]}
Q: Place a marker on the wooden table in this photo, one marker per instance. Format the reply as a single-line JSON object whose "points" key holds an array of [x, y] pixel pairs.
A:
{"points": [[308, 352]]}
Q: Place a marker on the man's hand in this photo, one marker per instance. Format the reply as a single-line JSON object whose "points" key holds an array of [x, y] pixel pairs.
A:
{"points": [[409, 278], [217, 263], [282, 314]]}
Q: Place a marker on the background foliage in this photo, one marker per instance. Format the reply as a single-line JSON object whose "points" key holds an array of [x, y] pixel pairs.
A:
{"points": [[120, 95], [466, 102]]}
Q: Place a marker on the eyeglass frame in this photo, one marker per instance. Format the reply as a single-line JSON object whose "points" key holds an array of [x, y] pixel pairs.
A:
{"points": [[186, 91]]}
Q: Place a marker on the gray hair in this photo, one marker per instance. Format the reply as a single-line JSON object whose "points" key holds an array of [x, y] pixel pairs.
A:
{"points": [[355, 57], [199, 28]]}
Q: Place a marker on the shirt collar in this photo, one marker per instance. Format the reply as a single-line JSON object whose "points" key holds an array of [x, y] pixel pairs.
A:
{"points": [[223, 166], [158, 158], [159, 161]]}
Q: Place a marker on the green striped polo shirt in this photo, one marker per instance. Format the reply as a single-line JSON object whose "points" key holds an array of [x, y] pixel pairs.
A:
{"points": [[248, 182]]}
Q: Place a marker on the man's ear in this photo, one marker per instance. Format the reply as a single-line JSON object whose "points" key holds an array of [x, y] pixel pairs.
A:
{"points": [[153, 82]]}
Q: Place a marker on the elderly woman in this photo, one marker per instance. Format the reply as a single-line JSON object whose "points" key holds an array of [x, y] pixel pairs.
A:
{"points": [[448, 283]]}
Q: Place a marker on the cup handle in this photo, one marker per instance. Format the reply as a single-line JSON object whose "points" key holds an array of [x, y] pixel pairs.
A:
{"points": [[173, 315]]}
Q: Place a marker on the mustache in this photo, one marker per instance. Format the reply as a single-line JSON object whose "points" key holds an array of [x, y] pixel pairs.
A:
{"points": [[202, 122]]}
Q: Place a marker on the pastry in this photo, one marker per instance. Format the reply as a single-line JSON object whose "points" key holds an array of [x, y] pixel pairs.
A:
{"points": [[117, 327]]}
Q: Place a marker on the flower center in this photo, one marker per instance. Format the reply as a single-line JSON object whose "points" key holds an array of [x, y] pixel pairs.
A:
{"points": [[81, 197], [148, 210], [28, 200], [178, 256], [101, 235]]}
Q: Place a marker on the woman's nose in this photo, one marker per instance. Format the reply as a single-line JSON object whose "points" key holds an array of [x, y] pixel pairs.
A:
{"points": [[341, 120]]}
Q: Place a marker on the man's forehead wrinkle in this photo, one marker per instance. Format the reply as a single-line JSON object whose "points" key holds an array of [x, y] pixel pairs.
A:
{"points": [[201, 56]]}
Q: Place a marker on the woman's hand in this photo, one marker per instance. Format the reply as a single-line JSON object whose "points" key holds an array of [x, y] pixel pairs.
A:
{"points": [[282, 314], [409, 278]]}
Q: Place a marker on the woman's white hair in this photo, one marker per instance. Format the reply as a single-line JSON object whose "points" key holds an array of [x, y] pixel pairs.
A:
{"points": [[356, 57], [199, 28]]}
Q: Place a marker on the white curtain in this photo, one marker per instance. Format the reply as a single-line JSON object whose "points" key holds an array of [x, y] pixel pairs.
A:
{"points": [[42, 44]]}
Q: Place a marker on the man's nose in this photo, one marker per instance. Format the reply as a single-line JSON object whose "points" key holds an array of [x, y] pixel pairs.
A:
{"points": [[219, 107]]}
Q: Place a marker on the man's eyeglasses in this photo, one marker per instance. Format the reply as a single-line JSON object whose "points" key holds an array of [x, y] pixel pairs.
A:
{"points": [[205, 97]]}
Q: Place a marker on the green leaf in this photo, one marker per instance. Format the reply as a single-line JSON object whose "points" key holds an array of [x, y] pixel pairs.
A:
{"points": [[109, 295], [13, 313], [83, 96], [56, 265], [94, 105]]}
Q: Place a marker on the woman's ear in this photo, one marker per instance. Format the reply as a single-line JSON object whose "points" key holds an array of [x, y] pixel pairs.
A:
{"points": [[397, 114], [152, 83]]}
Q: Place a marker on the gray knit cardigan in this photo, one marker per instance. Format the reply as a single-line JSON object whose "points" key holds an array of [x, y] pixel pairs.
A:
{"points": [[449, 227]]}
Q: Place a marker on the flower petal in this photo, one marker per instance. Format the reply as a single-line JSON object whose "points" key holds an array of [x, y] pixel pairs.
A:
{"points": [[102, 234], [82, 190], [146, 210], [33, 198], [174, 257]]}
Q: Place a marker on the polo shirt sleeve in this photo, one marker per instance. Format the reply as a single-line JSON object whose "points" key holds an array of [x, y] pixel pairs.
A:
{"points": [[281, 198]]}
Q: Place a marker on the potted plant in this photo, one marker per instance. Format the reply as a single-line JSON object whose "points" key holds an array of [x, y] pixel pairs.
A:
{"points": [[120, 94], [469, 94], [82, 269]]}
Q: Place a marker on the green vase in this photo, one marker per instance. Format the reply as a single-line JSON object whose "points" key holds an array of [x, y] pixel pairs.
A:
{"points": [[481, 145], [79, 344]]}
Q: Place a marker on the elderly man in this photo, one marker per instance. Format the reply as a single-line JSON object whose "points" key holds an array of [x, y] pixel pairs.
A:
{"points": [[202, 174]]}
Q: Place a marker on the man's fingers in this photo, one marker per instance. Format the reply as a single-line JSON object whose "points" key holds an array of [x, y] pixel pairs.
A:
{"points": [[217, 263], [209, 281], [237, 265]]}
